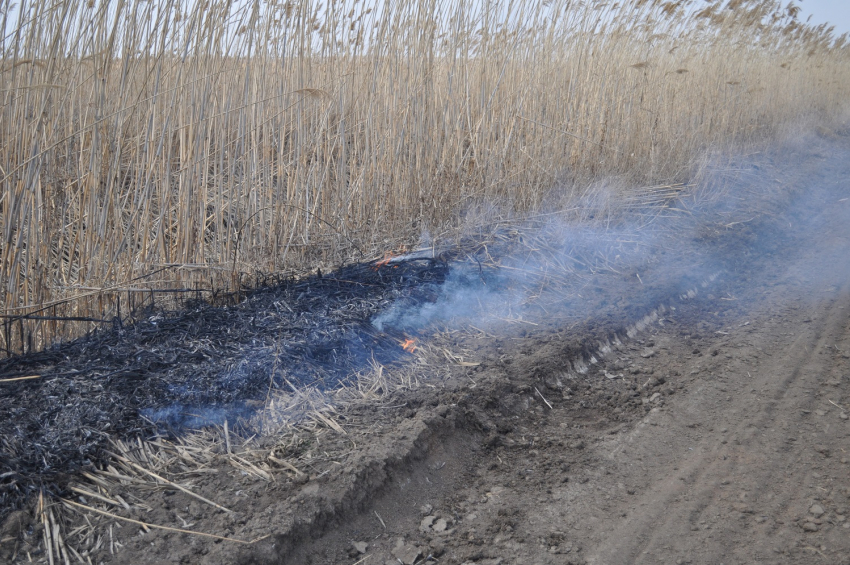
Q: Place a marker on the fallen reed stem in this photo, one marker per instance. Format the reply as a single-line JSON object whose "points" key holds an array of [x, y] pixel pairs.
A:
{"points": [[83, 507], [172, 484]]}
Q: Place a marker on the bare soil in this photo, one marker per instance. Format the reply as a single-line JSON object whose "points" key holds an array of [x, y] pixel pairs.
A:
{"points": [[715, 430]]}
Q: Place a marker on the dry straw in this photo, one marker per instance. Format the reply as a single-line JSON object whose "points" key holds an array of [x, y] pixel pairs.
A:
{"points": [[180, 144]]}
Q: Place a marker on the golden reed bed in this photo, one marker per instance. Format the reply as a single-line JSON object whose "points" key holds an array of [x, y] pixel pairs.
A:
{"points": [[184, 145]]}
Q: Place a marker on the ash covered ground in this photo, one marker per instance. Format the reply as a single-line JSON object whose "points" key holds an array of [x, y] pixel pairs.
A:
{"points": [[673, 389]]}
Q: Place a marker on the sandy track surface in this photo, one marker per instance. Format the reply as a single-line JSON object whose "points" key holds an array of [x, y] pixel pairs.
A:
{"points": [[750, 464]]}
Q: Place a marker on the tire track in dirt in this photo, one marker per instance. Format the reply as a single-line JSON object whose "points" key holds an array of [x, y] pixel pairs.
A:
{"points": [[696, 489]]}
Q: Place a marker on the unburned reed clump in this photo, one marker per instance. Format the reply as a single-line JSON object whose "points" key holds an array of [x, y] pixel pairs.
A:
{"points": [[180, 144]]}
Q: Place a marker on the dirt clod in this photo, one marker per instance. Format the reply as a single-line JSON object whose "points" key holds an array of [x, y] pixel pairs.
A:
{"points": [[407, 553]]}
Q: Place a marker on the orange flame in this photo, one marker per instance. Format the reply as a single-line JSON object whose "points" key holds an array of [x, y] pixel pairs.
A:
{"points": [[409, 345], [388, 255]]}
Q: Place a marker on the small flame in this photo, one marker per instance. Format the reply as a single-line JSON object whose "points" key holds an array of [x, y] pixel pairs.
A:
{"points": [[389, 256], [385, 261], [409, 345]]}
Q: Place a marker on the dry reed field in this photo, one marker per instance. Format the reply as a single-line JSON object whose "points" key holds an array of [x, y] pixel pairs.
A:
{"points": [[148, 146]]}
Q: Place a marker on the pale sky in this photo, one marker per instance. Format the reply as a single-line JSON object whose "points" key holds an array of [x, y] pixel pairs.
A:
{"points": [[835, 12]]}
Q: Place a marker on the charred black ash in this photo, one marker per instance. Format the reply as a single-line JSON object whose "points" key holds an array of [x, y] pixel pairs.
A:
{"points": [[196, 367]]}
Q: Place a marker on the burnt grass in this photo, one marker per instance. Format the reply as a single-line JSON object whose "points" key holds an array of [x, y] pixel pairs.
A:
{"points": [[194, 367], [162, 372]]}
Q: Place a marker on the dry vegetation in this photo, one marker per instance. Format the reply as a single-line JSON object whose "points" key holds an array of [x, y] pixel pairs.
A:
{"points": [[153, 145]]}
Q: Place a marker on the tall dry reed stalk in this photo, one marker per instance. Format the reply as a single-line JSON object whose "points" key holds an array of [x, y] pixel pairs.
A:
{"points": [[149, 145]]}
